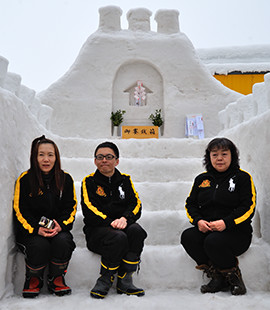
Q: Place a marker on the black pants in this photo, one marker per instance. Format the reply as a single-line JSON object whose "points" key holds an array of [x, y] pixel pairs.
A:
{"points": [[39, 251], [219, 248], [114, 244]]}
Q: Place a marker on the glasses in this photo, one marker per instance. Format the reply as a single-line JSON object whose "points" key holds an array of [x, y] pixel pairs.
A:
{"points": [[108, 157]]}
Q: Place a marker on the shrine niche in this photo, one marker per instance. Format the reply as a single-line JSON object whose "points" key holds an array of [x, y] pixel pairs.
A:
{"points": [[138, 94], [137, 89]]}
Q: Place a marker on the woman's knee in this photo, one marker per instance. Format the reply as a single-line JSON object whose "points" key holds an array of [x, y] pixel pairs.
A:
{"points": [[188, 236], [213, 242]]}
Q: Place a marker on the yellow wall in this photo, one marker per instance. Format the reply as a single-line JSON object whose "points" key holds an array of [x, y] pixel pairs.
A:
{"points": [[241, 83]]}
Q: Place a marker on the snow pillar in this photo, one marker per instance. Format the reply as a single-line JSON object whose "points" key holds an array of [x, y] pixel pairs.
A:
{"points": [[3, 70], [13, 82], [139, 19], [167, 21], [109, 18]]}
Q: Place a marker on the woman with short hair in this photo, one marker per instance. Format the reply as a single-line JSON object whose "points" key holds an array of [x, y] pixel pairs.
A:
{"points": [[220, 207]]}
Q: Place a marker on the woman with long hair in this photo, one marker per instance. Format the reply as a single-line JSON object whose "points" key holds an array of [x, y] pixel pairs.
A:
{"points": [[44, 211]]}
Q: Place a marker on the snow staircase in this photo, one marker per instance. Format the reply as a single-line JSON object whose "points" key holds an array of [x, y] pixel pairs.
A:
{"points": [[162, 171]]}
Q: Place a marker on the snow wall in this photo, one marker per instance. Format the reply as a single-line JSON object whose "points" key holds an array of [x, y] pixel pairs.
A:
{"points": [[19, 126]]}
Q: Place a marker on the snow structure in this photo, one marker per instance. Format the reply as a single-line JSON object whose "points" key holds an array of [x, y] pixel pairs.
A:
{"points": [[223, 60], [162, 169], [111, 62]]}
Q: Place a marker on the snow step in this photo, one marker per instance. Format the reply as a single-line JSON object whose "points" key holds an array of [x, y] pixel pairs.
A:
{"points": [[134, 148], [162, 267], [141, 170]]}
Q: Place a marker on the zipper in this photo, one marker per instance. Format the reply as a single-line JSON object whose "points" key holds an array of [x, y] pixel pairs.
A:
{"points": [[215, 191], [110, 182]]}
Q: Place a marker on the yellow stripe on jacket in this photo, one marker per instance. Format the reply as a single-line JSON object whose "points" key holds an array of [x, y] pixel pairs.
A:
{"points": [[72, 215], [252, 207], [139, 204], [87, 201], [16, 205]]}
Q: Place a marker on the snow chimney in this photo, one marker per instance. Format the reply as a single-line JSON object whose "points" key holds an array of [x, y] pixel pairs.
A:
{"points": [[109, 18], [167, 21], [139, 19]]}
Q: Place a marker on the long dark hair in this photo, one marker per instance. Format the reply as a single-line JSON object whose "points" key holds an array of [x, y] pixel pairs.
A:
{"points": [[221, 144], [36, 180]]}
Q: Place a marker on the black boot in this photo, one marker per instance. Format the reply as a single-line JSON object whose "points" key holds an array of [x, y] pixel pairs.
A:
{"points": [[104, 282], [234, 278], [33, 281], [124, 280], [56, 281], [218, 282]]}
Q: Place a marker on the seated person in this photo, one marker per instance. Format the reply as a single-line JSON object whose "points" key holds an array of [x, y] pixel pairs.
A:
{"points": [[220, 206], [44, 211], [111, 207]]}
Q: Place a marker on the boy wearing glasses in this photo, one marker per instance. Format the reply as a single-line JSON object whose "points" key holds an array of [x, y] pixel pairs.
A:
{"points": [[111, 207]]}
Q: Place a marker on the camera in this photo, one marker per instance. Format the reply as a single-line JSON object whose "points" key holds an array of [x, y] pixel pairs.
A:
{"points": [[46, 223]]}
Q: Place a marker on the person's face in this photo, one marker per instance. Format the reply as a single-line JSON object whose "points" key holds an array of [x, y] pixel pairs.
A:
{"points": [[106, 166], [220, 159], [46, 157]]}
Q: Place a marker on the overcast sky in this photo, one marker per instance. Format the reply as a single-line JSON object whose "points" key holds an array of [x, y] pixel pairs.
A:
{"points": [[42, 38]]}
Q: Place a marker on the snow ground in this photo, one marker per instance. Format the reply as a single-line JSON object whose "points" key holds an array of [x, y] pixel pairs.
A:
{"points": [[154, 299]]}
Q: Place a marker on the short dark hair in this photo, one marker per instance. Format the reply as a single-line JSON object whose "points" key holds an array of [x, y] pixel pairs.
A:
{"points": [[110, 145], [221, 144]]}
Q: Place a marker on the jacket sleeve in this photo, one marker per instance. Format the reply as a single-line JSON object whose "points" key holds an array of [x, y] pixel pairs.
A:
{"points": [[92, 215], [247, 201], [191, 206], [69, 204], [134, 205], [24, 220]]}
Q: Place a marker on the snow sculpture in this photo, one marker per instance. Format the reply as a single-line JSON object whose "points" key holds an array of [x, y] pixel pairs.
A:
{"points": [[139, 19], [167, 21], [113, 59], [110, 18]]}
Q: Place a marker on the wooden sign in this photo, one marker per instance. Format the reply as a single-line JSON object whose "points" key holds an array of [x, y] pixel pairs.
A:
{"points": [[139, 132]]}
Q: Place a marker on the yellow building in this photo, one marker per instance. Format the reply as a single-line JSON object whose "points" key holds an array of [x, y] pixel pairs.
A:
{"points": [[238, 68], [241, 82]]}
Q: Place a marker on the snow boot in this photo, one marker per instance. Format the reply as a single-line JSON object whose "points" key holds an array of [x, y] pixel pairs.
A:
{"points": [[33, 281], [234, 278], [124, 279], [104, 282], [218, 282], [56, 281]]}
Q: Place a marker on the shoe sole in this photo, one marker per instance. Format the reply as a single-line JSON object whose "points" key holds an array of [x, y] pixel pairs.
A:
{"points": [[139, 293]]}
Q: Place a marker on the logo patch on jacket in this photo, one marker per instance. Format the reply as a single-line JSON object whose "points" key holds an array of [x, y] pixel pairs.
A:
{"points": [[100, 191], [40, 193], [121, 192], [231, 185], [205, 183]]}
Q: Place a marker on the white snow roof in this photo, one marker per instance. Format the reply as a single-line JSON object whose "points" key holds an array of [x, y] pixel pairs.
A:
{"points": [[223, 60]]}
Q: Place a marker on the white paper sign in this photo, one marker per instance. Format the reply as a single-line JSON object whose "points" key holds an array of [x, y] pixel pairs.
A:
{"points": [[194, 126]]}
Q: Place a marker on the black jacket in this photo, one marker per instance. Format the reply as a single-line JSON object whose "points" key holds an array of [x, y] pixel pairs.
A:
{"points": [[230, 196], [105, 199], [28, 209]]}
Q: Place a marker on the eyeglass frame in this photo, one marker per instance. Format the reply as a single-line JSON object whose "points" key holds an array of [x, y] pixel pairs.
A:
{"points": [[105, 156]]}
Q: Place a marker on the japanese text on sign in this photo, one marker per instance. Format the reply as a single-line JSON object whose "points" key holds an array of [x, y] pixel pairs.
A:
{"points": [[139, 132]]}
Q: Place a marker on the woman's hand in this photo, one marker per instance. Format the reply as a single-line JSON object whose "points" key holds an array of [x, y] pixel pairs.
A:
{"points": [[204, 226], [119, 223], [217, 225], [49, 233]]}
